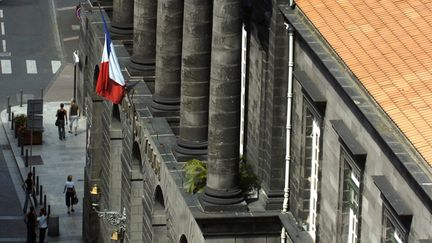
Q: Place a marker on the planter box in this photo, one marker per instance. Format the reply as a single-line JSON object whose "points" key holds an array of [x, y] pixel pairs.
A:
{"points": [[37, 137]]}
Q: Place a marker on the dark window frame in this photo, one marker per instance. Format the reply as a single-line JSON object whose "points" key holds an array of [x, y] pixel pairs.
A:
{"points": [[309, 107], [347, 159], [310, 101], [395, 211], [389, 215]]}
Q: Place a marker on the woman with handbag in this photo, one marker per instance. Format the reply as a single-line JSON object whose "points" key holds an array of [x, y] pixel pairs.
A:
{"points": [[69, 189], [61, 120]]}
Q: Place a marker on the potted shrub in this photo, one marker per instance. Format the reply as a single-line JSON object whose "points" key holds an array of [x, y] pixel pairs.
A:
{"points": [[21, 130], [196, 178], [249, 182], [19, 123]]}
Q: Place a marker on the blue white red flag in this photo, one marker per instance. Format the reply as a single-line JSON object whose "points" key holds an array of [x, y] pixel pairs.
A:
{"points": [[110, 83]]}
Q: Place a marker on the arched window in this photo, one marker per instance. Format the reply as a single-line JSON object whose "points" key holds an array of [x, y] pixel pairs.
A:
{"points": [[95, 75], [183, 239], [136, 159], [115, 119], [160, 231]]}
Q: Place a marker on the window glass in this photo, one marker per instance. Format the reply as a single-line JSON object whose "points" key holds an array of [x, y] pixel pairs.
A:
{"points": [[312, 138], [393, 233], [350, 200]]}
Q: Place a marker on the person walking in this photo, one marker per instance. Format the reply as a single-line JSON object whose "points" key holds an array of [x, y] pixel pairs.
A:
{"points": [[30, 221], [29, 191], [61, 120], [43, 224], [73, 116], [69, 189]]}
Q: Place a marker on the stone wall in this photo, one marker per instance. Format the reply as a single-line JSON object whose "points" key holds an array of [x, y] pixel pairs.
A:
{"points": [[146, 148], [266, 98], [131, 155], [380, 160], [130, 152]]}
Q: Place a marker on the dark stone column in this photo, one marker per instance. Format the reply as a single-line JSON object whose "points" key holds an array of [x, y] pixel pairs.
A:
{"points": [[122, 22], [144, 38], [196, 54], [168, 59], [222, 191]]}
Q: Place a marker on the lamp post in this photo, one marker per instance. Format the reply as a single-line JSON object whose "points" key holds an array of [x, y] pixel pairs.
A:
{"points": [[76, 61], [31, 137]]}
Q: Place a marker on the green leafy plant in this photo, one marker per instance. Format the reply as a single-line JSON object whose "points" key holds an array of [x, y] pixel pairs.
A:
{"points": [[248, 179], [196, 176], [20, 120]]}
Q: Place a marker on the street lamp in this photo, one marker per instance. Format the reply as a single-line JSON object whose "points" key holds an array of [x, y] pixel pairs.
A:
{"points": [[95, 195], [76, 61], [116, 219]]}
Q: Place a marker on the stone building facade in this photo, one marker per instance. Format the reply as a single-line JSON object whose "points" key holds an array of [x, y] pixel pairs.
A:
{"points": [[354, 177], [200, 73]]}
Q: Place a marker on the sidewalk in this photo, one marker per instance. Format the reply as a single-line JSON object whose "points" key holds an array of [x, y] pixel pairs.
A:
{"points": [[59, 158]]}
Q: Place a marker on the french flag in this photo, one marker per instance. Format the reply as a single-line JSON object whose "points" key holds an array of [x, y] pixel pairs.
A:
{"points": [[110, 83]]}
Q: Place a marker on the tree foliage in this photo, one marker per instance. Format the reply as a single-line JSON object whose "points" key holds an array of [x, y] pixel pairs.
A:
{"points": [[196, 176], [20, 120]]}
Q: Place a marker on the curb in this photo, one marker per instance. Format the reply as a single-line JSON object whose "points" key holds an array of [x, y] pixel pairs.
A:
{"points": [[10, 144]]}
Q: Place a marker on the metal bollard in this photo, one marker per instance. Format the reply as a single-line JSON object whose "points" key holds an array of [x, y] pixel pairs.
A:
{"points": [[37, 185], [22, 145], [9, 112], [26, 158], [34, 172], [49, 210], [40, 195], [8, 108], [21, 98], [44, 202], [12, 122]]}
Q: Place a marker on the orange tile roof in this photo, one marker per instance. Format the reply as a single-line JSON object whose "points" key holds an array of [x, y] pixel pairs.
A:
{"points": [[387, 44]]}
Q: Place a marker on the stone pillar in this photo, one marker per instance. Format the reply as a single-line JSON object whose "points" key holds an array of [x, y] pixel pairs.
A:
{"points": [[222, 191], [195, 76], [144, 38], [122, 21], [274, 133], [168, 59]]}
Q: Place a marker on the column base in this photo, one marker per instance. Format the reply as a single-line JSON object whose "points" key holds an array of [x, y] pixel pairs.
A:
{"points": [[139, 66], [119, 29], [223, 200], [273, 200], [186, 150], [171, 115], [165, 104]]}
